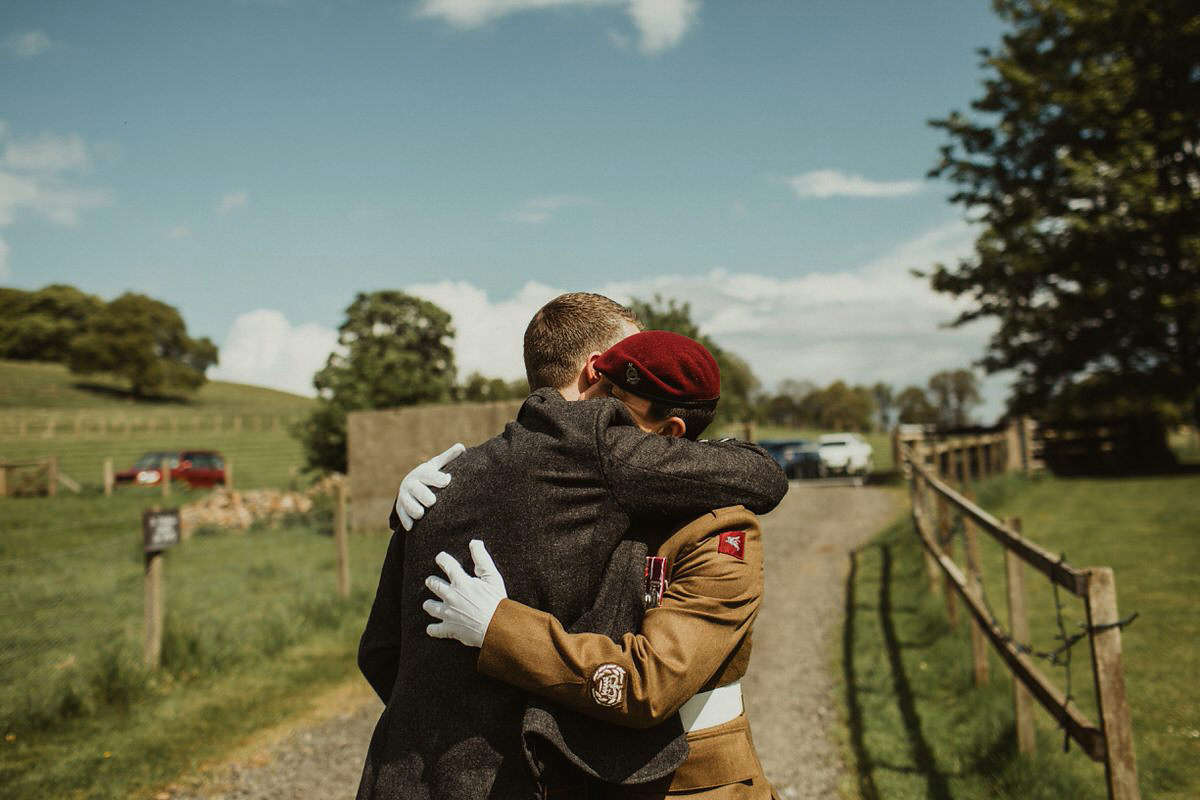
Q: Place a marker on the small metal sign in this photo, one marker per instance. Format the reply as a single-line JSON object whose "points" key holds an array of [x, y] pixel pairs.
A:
{"points": [[160, 529]]}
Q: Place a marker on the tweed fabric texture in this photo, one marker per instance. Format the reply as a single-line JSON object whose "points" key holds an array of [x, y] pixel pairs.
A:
{"points": [[553, 498]]}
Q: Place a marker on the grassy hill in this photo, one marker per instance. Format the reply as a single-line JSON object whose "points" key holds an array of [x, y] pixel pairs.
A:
{"points": [[45, 410], [30, 385]]}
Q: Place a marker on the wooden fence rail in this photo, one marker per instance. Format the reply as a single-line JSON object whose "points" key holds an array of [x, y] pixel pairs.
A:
{"points": [[1110, 741]]}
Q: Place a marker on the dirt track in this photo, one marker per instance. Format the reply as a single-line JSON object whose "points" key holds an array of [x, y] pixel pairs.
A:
{"points": [[789, 689]]}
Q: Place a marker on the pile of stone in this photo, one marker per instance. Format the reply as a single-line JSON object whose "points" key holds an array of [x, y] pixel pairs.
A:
{"points": [[325, 486], [238, 510]]}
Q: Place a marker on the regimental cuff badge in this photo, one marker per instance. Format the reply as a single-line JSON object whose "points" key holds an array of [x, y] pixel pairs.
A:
{"points": [[656, 581], [733, 543], [608, 685]]}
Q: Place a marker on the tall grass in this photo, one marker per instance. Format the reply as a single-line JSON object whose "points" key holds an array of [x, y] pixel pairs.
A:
{"points": [[71, 673]]}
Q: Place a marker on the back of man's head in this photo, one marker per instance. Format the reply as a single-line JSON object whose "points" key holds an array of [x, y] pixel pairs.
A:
{"points": [[568, 328]]}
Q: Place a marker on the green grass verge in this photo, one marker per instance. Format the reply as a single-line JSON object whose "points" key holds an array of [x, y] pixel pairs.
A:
{"points": [[915, 726], [253, 625]]}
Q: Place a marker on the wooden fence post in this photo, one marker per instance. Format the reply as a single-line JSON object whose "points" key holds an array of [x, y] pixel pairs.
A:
{"points": [[152, 653], [932, 570], [164, 476], [979, 643], [229, 475], [3, 480], [1018, 629], [1120, 765], [946, 543], [340, 539], [108, 477]]}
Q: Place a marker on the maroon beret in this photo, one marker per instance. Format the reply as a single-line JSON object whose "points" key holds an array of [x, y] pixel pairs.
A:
{"points": [[663, 366]]}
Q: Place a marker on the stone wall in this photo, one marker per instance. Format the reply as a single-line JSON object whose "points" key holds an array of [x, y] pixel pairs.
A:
{"points": [[384, 445]]}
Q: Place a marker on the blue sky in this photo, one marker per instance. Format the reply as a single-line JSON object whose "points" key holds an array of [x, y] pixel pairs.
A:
{"points": [[257, 163]]}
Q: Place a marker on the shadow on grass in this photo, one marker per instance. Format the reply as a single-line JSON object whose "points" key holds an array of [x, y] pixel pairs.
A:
{"points": [[118, 393], [922, 754], [866, 784]]}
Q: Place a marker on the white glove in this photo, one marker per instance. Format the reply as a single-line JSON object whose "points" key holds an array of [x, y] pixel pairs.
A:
{"points": [[415, 495], [468, 604]]}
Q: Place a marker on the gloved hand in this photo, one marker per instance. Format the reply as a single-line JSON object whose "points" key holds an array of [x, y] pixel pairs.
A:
{"points": [[415, 495], [467, 604]]}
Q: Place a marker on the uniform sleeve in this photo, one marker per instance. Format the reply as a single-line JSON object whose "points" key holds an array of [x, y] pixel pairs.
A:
{"points": [[379, 647], [707, 610], [665, 477]]}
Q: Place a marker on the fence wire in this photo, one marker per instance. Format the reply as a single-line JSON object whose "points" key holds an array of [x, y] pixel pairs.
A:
{"points": [[1060, 656]]}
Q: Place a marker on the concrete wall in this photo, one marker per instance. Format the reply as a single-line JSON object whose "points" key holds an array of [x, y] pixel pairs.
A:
{"points": [[384, 445]]}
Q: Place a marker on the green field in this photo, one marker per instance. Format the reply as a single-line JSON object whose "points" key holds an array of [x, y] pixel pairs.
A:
{"points": [[41, 389], [46, 411], [252, 620], [915, 725], [254, 625]]}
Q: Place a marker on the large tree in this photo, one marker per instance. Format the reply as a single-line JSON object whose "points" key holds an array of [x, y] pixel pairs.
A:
{"points": [[40, 325], [145, 342], [1081, 162], [955, 395], [738, 382], [393, 350]]}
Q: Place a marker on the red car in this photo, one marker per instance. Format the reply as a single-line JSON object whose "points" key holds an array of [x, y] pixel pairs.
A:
{"points": [[199, 469]]}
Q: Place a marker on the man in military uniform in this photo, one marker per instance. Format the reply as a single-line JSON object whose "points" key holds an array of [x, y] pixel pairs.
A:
{"points": [[559, 493], [704, 588]]}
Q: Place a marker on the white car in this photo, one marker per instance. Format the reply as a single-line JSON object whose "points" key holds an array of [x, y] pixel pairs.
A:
{"points": [[846, 454]]}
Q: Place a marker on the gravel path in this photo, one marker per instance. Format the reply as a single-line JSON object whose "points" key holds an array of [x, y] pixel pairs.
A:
{"points": [[789, 688]]}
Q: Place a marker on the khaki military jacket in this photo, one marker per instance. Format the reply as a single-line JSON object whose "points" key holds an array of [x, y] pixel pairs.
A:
{"points": [[697, 638]]}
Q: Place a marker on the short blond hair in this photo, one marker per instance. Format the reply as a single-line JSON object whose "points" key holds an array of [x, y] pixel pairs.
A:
{"points": [[565, 330]]}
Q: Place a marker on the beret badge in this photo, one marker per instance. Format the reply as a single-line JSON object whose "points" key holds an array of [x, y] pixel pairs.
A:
{"points": [[631, 374]]}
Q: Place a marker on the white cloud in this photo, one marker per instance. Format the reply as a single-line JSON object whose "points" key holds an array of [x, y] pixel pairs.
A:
{"points": [[488, 335], [47, 153], [872, 323], [537, 210], [32, 181], [264, 349], [28, 44], [834, 183], [661, 24], [178, 232], [232, 201]]}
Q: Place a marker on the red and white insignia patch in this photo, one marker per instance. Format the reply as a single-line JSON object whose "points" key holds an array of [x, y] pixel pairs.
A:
{"points": [[733, 543]]}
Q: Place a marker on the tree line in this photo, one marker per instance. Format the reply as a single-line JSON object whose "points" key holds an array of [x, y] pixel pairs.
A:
{"points": [[135, 338]]}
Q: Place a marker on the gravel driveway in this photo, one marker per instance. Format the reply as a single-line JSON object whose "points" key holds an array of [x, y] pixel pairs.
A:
{"points": [[789, 688]]}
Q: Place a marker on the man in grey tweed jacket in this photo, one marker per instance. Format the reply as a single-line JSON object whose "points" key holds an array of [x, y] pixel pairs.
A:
{"points": [[558, 494]]}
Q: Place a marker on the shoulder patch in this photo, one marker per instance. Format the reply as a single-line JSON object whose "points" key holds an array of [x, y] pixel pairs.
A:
{"points": [[733, 543], [608, 685]]}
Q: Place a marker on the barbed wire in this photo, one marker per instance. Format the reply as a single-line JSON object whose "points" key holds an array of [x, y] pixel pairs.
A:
{"points": [[1059, 656]]}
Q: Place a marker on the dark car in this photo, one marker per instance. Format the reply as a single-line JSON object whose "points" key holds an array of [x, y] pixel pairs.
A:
{"points": [[799, 458], [199, 469]]}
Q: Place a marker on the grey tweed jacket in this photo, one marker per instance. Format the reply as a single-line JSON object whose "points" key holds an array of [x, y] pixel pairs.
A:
{"points": [[554, 497]]}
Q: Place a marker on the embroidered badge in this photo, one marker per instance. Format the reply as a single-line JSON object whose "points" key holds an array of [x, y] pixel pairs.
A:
{"points": [[656, 581], [631, 374], [608, 685], [733, 543]]}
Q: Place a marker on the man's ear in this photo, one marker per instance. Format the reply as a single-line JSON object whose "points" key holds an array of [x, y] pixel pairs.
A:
{"points": [[590, 375], [673, 427]]}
